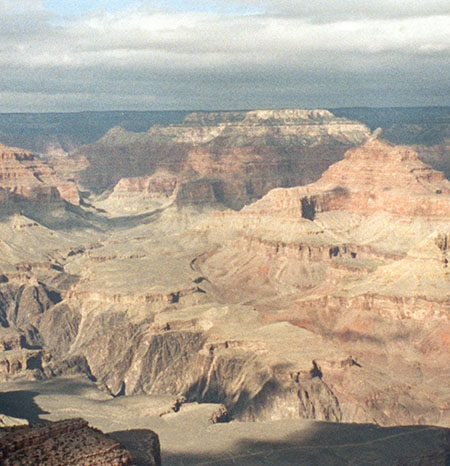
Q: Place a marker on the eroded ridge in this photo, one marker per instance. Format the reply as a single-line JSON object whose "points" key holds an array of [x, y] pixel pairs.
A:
{"points": [[61, 443], [24, 177]]}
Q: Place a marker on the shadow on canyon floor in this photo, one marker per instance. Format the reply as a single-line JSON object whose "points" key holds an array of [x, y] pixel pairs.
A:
{"points": [[189, 440], [324, 443], [141, 443], [134, 220], [21, 404]]}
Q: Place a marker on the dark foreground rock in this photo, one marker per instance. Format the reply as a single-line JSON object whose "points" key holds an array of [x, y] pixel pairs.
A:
{"points": [[70, 441]]}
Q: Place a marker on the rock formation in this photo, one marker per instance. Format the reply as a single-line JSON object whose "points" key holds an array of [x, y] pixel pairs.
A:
{"points": [[328, 301], [192, 433], [24, 177], [232, 157], [159, 185], [363, 255], [374, 177], [17, 358], [65, 442]]}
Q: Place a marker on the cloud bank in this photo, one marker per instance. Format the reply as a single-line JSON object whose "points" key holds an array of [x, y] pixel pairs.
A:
{"points": [[269, 54]]}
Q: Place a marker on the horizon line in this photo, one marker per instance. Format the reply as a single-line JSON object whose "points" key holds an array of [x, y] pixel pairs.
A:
{"points": [[222, 110]]}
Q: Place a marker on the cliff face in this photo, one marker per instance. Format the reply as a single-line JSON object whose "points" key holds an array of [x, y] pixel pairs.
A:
{"points": [[240, 155], [361, 257], [47, 133], [426, 129], [17, 358], [328, 301], [160, 185], [24, 177], [374, 177]]}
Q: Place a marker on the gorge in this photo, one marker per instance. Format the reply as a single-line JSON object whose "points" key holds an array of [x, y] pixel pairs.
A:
{"points": [[270, 272]]}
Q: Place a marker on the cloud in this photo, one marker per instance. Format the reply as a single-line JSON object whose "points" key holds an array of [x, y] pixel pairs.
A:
{"points": [[340, 10], [215, 39], [167, 59]]}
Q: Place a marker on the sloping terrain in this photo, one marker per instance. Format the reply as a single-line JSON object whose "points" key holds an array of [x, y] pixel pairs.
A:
{"points": [[192, 433], [328, 301]]}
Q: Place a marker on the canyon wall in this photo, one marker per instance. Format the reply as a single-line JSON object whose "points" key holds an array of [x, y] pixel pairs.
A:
{"points": [[24, 177], [236, 156], [326, 301]]}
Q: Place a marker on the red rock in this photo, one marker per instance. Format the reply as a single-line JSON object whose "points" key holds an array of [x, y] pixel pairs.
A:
{"points": [[24, 177], [374, 177], [245, 153], [359, 258], [159, 185]]}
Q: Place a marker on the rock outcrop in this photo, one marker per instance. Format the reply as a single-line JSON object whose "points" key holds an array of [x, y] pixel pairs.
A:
{"points": [[374, 177], [232, 157], [17, 358], [361, 258], [328, 301], [61, 443], [24, 177], [159, 185], [188, 434]]}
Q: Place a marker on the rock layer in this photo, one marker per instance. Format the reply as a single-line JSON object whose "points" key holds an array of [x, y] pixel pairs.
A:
{"points": [[328, 301], [232, 157], [361, 257], [374, 177], [65, 442], [24, 177]]}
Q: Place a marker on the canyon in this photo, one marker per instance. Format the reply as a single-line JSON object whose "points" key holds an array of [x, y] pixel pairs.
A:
{"points": [[228, 157], [285, 270]]}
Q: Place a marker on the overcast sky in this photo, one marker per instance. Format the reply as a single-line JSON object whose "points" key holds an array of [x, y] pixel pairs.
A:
{"points": [[71, 55]]}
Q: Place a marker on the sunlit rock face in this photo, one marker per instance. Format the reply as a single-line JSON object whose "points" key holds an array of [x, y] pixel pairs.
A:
{"points": [[24, 177], [372, 178], [233, 157], [360, 257]]}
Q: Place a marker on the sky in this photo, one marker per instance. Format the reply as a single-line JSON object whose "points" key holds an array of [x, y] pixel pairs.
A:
{"points": [[67, 55]]}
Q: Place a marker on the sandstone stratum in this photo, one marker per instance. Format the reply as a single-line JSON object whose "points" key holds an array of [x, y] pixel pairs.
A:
{"points": [[24, 177], [226, 157], [327, 302]]}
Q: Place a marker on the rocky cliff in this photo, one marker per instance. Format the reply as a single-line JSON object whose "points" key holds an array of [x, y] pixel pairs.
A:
{"points": [[360, 257], [62, 443], [24, 177], [374, 177], [236, 156], [328, 301], [426, 129], [51, 133]]}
